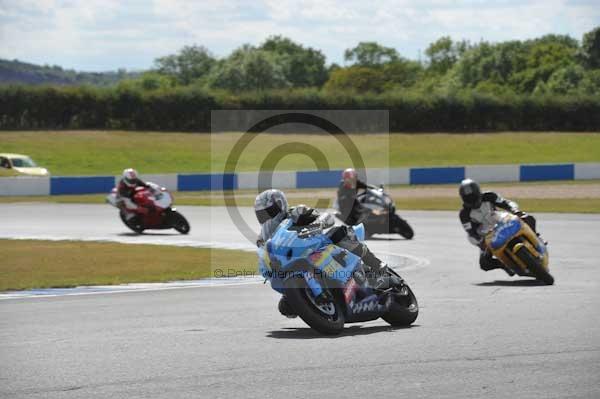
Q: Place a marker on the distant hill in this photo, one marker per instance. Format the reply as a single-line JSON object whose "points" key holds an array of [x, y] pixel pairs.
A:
{"points": [[22, 72]]}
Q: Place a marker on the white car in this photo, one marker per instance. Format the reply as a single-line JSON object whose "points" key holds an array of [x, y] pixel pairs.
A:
{"points": [[22, 164]]}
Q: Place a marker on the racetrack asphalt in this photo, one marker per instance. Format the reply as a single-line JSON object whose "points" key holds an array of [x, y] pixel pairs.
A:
{"points": [[478, 334]]}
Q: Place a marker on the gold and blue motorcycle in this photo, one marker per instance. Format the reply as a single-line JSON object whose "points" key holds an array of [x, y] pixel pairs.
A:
{"points": [[519, 248]]}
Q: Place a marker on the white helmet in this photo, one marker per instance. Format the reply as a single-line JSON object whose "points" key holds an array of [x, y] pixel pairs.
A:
{"points": [[271, 208], [130, 177]]}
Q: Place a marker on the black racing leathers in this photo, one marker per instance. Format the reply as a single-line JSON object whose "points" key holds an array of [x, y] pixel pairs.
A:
{"points": [[351, 211], [473, 219]]}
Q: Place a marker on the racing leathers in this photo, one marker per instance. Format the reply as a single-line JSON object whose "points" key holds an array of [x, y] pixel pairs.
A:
{"points": [[125, 194], [478, 221], [352, 212]]}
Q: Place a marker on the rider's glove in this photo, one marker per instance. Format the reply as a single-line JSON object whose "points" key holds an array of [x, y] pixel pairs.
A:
{"points": [[302, 215], [327, 220]]}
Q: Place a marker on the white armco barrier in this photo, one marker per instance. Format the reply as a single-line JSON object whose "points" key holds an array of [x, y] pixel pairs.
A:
{"points": [[167, 181], [24, 185], [587, 171], [249, 180], [493, 173]]}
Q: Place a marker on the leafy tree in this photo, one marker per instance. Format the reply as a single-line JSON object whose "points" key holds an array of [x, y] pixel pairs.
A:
{"points": [[248, 68], [148, 81], [190, 64], [563, 81], [401, 73], [443, 54], [370, 54], [518, 65], [590, 49], [590, 84], [302, 67], [356, 78]]}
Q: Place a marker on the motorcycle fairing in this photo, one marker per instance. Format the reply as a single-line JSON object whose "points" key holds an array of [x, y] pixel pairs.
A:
{"points": [[525, 236], [504, 231], [287, 254]]}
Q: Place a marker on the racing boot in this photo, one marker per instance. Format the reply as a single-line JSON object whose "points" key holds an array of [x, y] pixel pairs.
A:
{"points": [[383, 278], [386, 278], [285, 308], [487, 262]]}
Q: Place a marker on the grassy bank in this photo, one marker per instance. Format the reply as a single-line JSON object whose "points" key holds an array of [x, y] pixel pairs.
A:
{"points": [[108, 152], [30, 264]]}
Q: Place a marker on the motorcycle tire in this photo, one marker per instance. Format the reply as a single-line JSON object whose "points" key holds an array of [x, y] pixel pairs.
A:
{"points": [[135, 227], [535, 266], [402, 227], [404, 310], [179, 222], [297, 293]]}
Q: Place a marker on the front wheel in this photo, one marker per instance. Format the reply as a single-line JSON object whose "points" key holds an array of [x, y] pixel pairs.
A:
{"points": [[326, 318], [404, 308], [179, 222], [134, 223], [402, 227], [535, 266]]}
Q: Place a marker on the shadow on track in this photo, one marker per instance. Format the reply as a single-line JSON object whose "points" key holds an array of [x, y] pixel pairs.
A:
{"points": [[386, 238], [512, 283], [132, 234], [309, 333]]}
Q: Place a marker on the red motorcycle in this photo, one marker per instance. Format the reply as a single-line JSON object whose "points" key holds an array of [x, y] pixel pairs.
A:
{"points": [[150, 208]]}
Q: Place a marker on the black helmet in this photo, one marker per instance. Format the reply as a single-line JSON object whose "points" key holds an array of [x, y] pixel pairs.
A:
{"points": [[470, 193]]}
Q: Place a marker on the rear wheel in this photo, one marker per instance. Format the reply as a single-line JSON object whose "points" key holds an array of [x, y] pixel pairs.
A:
{"points": [[403, 310], [179, 222], [402, 227], [134, 223], [535, 266], [326, 318]]}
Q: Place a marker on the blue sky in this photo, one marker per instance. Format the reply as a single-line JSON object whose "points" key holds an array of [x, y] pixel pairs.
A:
{"points": [[97, 35]]}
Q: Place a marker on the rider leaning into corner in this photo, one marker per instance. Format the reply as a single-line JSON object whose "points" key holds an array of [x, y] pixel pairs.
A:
{"points": [[126, 189], [271, 208], [351, 210], [477, 217]]}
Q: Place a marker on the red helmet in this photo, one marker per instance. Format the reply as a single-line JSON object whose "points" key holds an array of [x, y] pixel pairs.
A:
{"points": [[130, 177], [349, 177]]}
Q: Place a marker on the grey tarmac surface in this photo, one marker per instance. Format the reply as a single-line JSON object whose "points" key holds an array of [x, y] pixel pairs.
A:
{"points": [[478, 334]]}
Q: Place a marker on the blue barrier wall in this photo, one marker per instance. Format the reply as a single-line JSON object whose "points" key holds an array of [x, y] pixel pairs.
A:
{"points": [[317, 179], [306, 179], [436, 175], [547, 172], [203, 182], [81, 185]]}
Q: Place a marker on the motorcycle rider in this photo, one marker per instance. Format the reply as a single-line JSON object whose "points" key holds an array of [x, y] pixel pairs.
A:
{"points": [[271, 208], [350, 209], [477, 215], [126, 189]]}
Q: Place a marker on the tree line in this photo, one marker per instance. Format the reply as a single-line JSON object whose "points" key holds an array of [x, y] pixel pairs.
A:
{"points": [[548, 83], [551, 64], [16, 72]]}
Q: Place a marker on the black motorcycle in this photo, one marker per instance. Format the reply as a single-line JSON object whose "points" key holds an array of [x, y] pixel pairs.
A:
{"points": [[380, 214]]}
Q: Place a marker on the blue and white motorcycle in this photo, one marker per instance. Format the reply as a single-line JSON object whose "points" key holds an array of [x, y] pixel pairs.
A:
{"points": [[327, 285]]}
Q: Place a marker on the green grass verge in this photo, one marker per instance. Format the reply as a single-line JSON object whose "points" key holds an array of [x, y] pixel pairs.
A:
{"points": [[28, 264], [8, 172], [109, 152]]}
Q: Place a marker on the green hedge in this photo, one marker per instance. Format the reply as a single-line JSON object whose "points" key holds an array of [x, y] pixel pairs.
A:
{"points": [[188, 109]]}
